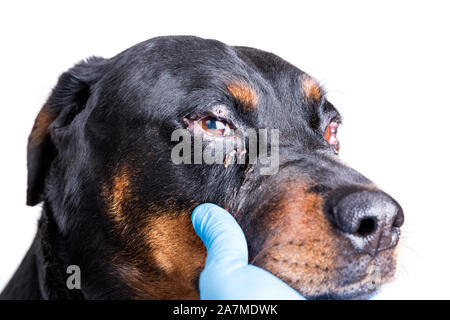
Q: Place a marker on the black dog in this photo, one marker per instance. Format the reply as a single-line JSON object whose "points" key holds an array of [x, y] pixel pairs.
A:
{"points": [[118, 207]]}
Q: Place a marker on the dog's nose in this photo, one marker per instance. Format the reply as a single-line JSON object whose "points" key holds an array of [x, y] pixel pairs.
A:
{"points": [[370, 219]]}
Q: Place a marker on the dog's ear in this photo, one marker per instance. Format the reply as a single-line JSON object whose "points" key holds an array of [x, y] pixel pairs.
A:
{"points": [[67, 99]]}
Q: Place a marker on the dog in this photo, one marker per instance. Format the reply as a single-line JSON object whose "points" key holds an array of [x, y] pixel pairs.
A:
{"points": [[115, 205]]}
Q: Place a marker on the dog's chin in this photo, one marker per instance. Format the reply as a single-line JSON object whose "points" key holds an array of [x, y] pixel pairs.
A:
{"points": [[350, 283], [364, 292], [345, 296], [361, 290]]}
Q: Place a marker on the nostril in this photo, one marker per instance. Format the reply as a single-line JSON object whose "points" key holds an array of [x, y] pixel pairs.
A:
{"points": [[396, 224], [399, 219], [367, 226]]}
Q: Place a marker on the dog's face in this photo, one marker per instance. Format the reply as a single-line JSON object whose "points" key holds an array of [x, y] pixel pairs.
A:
{"points": [[100, 157]]}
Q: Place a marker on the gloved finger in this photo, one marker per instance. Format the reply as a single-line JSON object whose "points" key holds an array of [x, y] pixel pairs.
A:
{"points": [[221, 234], [246, 283]]}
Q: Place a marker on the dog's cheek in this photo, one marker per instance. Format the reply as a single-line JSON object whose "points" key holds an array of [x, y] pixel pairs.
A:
{"points": [[161, 255], [173, 260], [175, 247]]}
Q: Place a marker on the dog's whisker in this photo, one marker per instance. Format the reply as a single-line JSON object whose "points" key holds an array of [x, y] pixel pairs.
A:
{"points": [[403, 268], [410, 249]]}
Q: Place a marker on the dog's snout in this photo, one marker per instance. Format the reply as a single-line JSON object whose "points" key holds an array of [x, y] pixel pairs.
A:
{"points": [[371, 220]]}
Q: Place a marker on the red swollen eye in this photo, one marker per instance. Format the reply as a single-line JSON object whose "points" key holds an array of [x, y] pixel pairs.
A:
{"points": [[330, 135]]}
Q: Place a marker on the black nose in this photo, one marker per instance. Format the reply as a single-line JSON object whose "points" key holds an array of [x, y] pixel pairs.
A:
{"points": [[371, 220]]}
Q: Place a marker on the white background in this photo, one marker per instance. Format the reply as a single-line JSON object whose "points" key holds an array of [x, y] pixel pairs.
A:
{"points": [[385, 65]]}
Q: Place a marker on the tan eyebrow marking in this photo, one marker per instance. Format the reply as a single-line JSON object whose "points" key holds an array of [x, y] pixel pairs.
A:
{"points": [[244, 94], [311, 90]]}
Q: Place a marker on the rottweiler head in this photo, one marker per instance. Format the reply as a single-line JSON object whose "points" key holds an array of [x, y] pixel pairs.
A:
{"points": [[100, 157]]}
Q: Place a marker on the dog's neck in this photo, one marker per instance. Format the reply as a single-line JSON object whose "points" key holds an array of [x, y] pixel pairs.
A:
{"points": [[41, 273]]}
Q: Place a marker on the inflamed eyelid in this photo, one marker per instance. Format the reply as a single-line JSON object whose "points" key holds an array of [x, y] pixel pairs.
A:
{"points": [[330, 135], [215, 126], [210, 126]]}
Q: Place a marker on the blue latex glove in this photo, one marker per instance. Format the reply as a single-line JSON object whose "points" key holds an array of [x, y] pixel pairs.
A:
{"points": [[227, 274]]}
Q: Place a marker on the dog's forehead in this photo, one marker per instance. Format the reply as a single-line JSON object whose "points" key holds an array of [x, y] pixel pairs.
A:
{"points": [[177, 74], [181, 55], [200, 61]]}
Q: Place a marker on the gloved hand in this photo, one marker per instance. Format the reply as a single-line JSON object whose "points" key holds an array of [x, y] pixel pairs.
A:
{"points": [[227, 274]]}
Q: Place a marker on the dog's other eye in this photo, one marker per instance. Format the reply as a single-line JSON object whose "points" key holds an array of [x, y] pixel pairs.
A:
{"points": [[215, 127], [330, 135]]}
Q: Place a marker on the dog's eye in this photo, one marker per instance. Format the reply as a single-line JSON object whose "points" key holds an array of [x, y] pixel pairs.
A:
{"points": [[330, 136], [215, 127]]}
